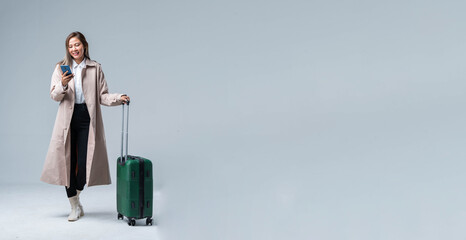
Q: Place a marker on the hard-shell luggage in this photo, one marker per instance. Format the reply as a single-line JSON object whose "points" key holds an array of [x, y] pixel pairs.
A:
{"points": [[134, 183]]}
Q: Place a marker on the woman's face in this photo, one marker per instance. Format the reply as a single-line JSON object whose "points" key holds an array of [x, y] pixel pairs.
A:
{"points": [[76, 49]]}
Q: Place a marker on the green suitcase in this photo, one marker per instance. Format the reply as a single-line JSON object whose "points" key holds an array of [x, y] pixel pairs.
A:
{"points": [[134, 185]]}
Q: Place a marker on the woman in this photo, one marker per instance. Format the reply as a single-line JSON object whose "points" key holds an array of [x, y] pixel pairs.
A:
{"points": [[77, 152]]}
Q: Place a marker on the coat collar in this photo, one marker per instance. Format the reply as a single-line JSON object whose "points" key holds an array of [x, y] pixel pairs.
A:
{"points": [[91, 63]]}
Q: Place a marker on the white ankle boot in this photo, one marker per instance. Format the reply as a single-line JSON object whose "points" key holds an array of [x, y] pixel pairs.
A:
{"points": [[75, 210], [79, 205]]}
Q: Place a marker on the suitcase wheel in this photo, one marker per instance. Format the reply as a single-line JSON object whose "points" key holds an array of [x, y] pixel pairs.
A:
{"points": [[149, 221], [132, 222], [120, 217]]}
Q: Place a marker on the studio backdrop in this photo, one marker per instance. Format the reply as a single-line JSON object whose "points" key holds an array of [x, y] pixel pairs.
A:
{"points": [[329, 119]]}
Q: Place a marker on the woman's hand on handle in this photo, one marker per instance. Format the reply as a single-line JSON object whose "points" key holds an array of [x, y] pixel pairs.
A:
{"points": [[124, 99]]}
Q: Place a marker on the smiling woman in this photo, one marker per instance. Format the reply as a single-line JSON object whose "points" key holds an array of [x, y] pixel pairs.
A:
{"points": [[78, 143], [75, 48], [78, 49]]}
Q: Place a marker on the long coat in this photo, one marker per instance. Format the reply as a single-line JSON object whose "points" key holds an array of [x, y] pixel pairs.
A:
{"points": [[57, 163]]}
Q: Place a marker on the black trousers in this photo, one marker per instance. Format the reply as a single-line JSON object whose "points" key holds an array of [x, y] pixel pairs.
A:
{"points": [[79, 131]]}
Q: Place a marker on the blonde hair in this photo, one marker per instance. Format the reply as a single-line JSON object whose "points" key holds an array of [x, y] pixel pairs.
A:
{"points": [[68, 60]]}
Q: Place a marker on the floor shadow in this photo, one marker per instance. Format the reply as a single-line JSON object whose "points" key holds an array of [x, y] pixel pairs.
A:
{"points": [[59, 216], [104, 215], [108, 216]]}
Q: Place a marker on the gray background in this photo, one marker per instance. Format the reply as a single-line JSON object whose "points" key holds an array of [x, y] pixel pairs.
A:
{"points": [[264, 119]]}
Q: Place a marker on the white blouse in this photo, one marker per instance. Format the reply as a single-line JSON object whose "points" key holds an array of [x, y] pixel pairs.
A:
{"points": [[78, 85]]}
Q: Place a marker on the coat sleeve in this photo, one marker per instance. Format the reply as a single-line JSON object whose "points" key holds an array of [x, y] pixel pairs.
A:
{"points": [[107, 99], [57, 92]]}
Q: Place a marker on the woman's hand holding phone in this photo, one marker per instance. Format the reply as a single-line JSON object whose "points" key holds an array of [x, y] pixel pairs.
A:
{"points": [[65, 79], [66, 75]]}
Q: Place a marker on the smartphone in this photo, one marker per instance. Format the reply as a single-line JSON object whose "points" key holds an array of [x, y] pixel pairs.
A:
{"points": [[65, 68]]}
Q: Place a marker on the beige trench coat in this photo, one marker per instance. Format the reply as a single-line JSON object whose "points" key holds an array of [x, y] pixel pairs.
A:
{"points": [[57, 163]]}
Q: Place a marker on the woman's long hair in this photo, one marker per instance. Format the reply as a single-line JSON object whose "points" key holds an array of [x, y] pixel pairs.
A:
{"points": [[68, 59]]}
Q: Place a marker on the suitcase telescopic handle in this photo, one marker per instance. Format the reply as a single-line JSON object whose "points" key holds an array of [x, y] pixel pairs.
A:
{"points": [[123, 160]]}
